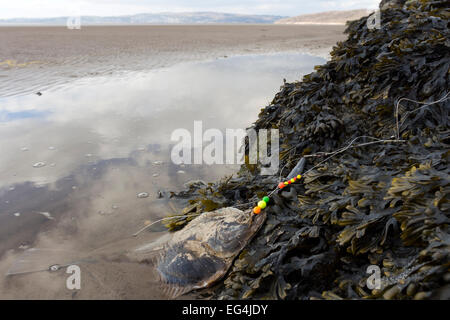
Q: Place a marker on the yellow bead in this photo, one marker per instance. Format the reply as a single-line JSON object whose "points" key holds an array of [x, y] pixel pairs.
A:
{"points": [[262, 204], [286, 183], [292, 180], [299, 177]]}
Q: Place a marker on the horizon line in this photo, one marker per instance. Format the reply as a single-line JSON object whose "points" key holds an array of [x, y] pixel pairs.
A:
{"points": [[179, 12]]}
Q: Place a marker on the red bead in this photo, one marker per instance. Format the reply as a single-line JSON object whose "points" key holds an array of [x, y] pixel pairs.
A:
{"points": [[281, 185]]}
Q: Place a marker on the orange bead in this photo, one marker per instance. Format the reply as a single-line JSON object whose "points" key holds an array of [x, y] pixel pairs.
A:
{"points": [[256, 210], [281, 185]]}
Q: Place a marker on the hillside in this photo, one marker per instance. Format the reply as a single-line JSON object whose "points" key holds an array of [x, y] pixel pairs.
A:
{"points": [[152, 18], [329, 17]]}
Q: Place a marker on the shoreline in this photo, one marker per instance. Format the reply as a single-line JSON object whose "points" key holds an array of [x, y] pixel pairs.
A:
{"points": [[55, 56]]}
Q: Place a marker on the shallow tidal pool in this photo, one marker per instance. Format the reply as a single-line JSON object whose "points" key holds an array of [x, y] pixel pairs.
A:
{"points": [[82, 164]]}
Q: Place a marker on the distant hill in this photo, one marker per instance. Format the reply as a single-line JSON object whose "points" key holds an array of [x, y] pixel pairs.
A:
{"points": [[152, 18], [329, 17]]}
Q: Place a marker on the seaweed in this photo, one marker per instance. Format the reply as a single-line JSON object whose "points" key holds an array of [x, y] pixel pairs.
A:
{"points": [[384, 204]]}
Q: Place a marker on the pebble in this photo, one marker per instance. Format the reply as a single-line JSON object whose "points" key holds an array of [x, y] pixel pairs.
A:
{"points": [[47, 215], [143, 195], [39, 165]]}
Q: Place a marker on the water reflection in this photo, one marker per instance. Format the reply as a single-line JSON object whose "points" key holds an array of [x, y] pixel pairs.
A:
{"points": [[82, 165]]}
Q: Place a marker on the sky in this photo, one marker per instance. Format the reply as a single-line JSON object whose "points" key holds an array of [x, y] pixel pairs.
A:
{"points": [[57, 8]]}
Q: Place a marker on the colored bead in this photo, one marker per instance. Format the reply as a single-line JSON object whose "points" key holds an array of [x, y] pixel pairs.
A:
{"points": [[292, 180], [256, 210], [299, 176], [286, 183], [289, 182], [281, 185], [262, 204], [266, 199]]}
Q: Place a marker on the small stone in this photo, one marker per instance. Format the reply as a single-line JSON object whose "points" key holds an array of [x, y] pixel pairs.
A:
{"points": [[143, 195], [47, 215], [39, 165]]}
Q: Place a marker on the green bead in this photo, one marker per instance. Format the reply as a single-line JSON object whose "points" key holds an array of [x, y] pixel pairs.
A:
{"points": [[266, 199]]}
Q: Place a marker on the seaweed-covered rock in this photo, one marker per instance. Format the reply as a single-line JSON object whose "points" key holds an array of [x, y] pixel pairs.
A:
{"points": [[383, 204], [389, 4]]}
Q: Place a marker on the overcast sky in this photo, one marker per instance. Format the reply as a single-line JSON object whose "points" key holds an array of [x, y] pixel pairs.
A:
{"points": [[54, 8]]}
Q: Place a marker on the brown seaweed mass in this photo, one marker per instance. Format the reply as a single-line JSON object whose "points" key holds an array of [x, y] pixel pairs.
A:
{"points": [[382, 204]]}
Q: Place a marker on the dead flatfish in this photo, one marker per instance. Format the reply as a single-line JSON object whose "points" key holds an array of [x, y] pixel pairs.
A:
{"points": [[203, 251]]}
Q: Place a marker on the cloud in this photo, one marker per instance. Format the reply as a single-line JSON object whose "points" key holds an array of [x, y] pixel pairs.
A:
{"points": [[53, 8]]}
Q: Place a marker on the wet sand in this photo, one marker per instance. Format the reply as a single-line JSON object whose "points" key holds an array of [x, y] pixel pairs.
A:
{"points": [[111, 98], [59, 55]]}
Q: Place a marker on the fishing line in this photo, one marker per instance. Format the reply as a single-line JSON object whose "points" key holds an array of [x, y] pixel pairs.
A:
{"points": [[426, 104], [162, 219], [333, 154]]}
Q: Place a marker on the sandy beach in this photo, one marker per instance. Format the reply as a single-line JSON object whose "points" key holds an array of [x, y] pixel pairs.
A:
{"points": [[38, 58], [75, 159]]}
